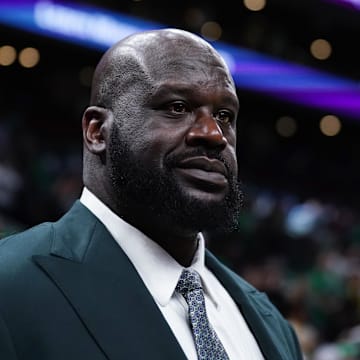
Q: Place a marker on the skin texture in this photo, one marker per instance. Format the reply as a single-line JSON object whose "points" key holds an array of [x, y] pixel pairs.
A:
{"points": [[160, 138]]}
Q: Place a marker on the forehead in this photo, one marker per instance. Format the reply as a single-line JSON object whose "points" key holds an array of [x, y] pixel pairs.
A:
{"points": [[181, 56], [191, 61], [186, 73]]}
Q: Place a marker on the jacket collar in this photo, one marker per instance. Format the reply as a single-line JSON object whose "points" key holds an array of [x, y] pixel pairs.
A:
{"points": [[93, 273]]}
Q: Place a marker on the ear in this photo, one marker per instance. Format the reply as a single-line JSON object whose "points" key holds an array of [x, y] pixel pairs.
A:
{"points": [[96, 123]]}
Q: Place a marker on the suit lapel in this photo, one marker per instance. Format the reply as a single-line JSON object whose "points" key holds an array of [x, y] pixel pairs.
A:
{"points": [[257, 316], [106, 292]]}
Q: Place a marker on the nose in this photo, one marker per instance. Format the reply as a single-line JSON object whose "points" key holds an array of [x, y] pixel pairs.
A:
{"points": [[206, 131]]}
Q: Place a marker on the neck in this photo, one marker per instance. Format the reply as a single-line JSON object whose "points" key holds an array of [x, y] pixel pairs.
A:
{"points": [[179, 243]]}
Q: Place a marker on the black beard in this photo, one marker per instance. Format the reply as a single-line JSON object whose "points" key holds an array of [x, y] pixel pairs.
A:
{"points": [[156, 192]]}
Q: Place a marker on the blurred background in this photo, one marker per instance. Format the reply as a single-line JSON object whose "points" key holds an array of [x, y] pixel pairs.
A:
{"points": [[297, 69]]}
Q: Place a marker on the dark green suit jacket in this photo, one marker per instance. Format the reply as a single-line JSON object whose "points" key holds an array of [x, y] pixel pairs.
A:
{"points": [[68, 291]]}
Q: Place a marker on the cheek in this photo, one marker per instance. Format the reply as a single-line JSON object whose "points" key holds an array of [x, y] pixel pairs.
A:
{"points": [[231, 159], [150, 150], [231, 150], [231, 136], [158, 141]]}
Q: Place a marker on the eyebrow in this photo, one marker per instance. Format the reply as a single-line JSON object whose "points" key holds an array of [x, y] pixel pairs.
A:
{"points": [[182, 89], [178, 88]]}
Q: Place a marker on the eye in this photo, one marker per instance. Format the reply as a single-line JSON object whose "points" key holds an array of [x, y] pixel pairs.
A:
{"points": [[224, 117], [177, 107]]}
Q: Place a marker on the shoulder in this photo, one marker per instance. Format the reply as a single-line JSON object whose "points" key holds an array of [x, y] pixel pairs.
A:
{"points": [[19, 275], [16, 252], [38, 240], [18, 246], [256, 307]]}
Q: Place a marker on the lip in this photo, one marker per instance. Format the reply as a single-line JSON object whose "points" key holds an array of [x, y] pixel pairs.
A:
{"points": [[204, 163], [205, 172]]}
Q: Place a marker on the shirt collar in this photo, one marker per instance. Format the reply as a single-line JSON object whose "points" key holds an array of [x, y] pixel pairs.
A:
{"points": [[159, 271]]}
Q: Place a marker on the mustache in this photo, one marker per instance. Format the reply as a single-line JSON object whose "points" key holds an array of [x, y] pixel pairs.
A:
{"points": [[174, 159]]}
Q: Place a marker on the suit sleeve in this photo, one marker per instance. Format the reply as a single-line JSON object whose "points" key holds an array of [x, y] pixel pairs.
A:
{"points": [[7, 349]]}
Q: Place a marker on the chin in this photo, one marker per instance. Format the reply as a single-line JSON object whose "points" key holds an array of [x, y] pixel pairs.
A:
{"points": [[205, 208], [206, 197], [202, 211]]}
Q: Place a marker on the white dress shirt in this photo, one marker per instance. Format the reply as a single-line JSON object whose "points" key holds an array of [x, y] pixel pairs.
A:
{"points": [[160, 273]]}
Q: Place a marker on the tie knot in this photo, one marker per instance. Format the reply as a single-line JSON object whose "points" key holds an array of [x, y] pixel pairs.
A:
{"points": [[189, 281]]}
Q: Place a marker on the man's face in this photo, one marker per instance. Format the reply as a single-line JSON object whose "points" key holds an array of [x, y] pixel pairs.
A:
{"points": [[175, 156]]}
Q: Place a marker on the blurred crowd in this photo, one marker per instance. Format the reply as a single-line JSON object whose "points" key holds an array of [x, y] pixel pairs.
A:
{"points": [[304, 253]]}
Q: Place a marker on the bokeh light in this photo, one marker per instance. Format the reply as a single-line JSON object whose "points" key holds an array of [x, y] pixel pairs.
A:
{"points": [[29, 57], [211, 30], [330, 125], [286, 126], [255, 5], [321, 49], [7, 55]]}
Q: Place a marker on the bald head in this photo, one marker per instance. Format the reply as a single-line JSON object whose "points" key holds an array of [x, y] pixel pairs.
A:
{"points": [[160, 98], [141, 58]]}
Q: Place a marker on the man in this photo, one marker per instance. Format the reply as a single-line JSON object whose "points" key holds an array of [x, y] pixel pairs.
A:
{"points": [[107, 280]]}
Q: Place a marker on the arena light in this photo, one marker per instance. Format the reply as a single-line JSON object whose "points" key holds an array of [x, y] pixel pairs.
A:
{"points": [[292, 82], [98, 28], [85, 25], [354, 4]]}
